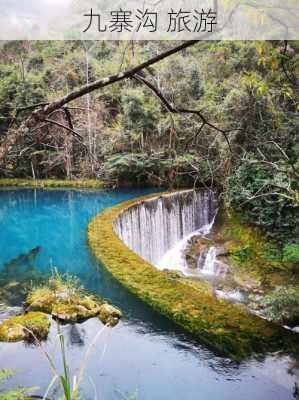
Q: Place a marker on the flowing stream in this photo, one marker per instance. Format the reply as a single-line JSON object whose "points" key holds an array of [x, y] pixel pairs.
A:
{"points": [[145, 354]]}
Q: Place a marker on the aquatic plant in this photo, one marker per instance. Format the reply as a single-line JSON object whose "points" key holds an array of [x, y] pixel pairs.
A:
{"points": [[69, 384], [14, 394]]}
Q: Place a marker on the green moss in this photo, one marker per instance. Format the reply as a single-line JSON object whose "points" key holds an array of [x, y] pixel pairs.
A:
{"points": [[229, 329], [109, 314], [64, 299], [52, 183], [20, 327], [252, 256]]}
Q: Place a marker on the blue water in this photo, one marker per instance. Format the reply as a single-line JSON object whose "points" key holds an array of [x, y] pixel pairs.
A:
{"points": [[145, 354]]}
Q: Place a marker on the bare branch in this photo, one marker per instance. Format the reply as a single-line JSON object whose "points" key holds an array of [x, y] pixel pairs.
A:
{"points": [[175, 110]]}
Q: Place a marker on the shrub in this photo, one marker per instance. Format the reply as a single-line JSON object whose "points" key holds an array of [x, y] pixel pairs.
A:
{"points": [[282, 305], [291, 253]]}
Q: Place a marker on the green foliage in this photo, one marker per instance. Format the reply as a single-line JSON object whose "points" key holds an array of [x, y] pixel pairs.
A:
{"points": [[157, 168], [282, 305], [14, 394], [291, 253], [140, 111], [264, 199], [5, 374], [244, 254]]}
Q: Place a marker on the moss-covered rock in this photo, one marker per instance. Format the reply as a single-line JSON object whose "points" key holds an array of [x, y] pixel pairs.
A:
{"points": [[65, 300], [109, 314], [19, 328], [252, 258], [228, 328], [81, 310]]}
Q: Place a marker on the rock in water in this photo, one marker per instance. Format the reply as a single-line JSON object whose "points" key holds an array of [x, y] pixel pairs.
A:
{"points": [[25, 327], [109, 314]]}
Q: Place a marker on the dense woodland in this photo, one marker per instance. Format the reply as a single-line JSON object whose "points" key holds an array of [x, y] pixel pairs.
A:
{"points": [[216, 114]]}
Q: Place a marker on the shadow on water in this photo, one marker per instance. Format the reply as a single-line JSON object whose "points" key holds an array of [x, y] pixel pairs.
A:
{"points": [[145, 351]]}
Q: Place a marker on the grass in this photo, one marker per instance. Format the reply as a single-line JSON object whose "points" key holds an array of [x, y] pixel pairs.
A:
{"points": [[52, 183], [228, 329]]}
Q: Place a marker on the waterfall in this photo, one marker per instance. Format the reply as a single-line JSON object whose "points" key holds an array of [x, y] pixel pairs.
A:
{"points": [[155, 226], [209, 267]]}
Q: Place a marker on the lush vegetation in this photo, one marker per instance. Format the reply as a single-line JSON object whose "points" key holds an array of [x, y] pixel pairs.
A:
{"points": [[282, 305], [126, 135]]}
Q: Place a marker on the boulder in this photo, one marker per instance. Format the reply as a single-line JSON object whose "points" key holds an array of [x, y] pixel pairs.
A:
{"points": [[84, 309], [109, 314], [64, 303], [25, 327], [222, 250]]}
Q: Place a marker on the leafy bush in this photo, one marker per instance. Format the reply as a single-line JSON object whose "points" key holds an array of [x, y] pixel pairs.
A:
{"points": [[244, 254], [282, 305], [291, 253], [251, 190]]}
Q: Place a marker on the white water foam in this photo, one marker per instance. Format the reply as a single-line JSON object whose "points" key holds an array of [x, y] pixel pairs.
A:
{"points": [[175, 259]]}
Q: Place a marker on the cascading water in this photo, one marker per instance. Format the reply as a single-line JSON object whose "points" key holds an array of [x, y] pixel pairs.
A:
{"points": [[210, 264], [155, 226]]}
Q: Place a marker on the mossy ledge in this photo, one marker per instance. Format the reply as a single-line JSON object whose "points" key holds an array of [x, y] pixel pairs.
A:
{"points": [[228, 329], [19, 328], [52, 183]]}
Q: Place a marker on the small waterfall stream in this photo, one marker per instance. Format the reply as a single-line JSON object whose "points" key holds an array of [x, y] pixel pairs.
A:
{"points": [[209, 267]]}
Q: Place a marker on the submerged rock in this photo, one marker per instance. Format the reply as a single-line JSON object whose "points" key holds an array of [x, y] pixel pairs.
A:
{"points": [[25, 327], [109, 314]]}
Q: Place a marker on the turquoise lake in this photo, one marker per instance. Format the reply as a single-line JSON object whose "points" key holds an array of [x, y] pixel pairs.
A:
{"points": [[145, 357]]}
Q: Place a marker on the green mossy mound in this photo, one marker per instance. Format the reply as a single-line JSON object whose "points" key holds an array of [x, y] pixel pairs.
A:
{"points": [[109, 314], [66, 301], [52, 183], [19, 328], [227, 328]]}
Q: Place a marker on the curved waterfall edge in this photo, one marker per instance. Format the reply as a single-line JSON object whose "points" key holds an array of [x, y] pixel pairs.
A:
{"points": [[227, 328]]}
